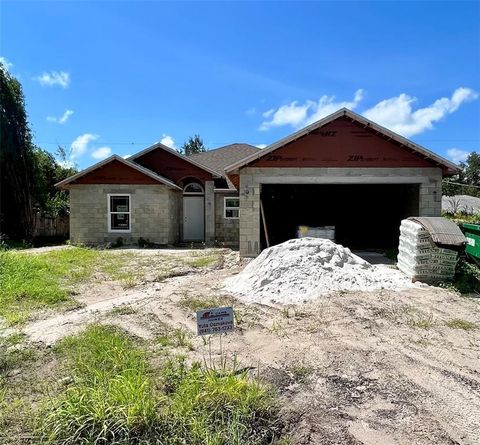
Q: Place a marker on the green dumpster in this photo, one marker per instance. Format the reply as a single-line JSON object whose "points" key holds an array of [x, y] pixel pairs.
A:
{"points": [[472, 234]]}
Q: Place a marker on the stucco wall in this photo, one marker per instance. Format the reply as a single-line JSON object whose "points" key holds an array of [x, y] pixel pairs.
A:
{"points": [[226, 230], [154, 213], [251, 178]]}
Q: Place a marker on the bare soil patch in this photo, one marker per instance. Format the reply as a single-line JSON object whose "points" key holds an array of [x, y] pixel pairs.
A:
{"points": [[382, 367]]}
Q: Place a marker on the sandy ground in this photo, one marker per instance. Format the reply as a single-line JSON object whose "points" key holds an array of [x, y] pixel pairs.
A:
{"points": [[351, 368]]}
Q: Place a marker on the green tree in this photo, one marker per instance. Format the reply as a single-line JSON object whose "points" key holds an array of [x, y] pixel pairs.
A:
{"points": [[16, 160], [48, 171], [193, 145], [467, 182], [471, 170]]}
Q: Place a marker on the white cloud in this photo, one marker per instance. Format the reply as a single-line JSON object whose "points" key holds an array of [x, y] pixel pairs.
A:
{"points": [[101, 153], [61, 78], [126, 156], [61, 119], [80, 144], [167, 140], [261, 145], [7, 65], [457, 155], [66, 164], [298, 115], [397, 114]]}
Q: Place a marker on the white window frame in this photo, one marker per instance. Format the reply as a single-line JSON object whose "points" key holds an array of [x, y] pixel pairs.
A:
{"points": [[194, 193], [110, 213], [230, 208]]}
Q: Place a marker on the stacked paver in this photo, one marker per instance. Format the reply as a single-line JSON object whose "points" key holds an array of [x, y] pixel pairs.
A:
{"points": [[420, 258], [324, 232]]}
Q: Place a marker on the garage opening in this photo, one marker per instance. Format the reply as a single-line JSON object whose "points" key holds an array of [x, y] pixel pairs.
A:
{"points": [[365, 216]]}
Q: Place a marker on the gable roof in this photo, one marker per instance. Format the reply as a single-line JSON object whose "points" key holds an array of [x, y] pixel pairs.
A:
{"points": [[449, 166], [135, 166], [160, 146], [220, 158]]}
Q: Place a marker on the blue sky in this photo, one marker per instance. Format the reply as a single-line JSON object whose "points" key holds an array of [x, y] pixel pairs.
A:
{"points": [[105, 76]]}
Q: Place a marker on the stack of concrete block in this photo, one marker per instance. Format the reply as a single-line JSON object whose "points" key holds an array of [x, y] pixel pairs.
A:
{"points": [[324, 232], [420, 258]]}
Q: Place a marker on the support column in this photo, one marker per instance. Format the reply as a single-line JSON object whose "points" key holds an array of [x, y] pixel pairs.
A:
{"points": [[249, 216], [430, 202], [209, 213]]}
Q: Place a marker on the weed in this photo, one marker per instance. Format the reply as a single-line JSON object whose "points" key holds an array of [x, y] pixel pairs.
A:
{"points": [[112, 398], [422, 342], [300, 372], [278, 329], [467, 277], [129, 280], [164, 340], [239, 317], [421, 322], [181, 339], [203, 260], [196, 303], [13, 357], [458, 323], [15, 339], [285, 312], [125, 309], [284, 441], [145, 243], [210, 406]]}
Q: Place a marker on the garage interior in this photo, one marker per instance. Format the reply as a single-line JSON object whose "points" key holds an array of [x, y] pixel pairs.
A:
{"points": [[365, 216]]}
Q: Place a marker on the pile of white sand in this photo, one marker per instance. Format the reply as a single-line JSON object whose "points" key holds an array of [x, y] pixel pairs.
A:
{"points": [[303, 269]]}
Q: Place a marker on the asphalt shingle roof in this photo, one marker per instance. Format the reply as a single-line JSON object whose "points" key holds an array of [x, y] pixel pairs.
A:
{"points": [[219, 158]]}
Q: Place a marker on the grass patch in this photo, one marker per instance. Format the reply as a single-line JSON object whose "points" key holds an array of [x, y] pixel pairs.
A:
{"points": [[125, 309], [202, 260], [114, 399], [421, 322], [178, 338], [196, 303], [218, 406], [30, 282], [12, 356], [300, 372], [458, 323]]}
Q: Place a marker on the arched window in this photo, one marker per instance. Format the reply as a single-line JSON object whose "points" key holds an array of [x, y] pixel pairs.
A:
{"points": [[193, 188]]}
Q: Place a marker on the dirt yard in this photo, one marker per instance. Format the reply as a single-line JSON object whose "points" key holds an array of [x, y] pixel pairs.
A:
{"points": [[351, 368]]}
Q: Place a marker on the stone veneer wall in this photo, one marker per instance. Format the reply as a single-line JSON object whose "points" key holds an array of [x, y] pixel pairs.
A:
{"points": [[226, 230], [251, 178], [154, 213]]}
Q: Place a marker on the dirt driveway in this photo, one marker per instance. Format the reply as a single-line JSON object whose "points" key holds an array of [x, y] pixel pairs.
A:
{"points": [[351, 368]]}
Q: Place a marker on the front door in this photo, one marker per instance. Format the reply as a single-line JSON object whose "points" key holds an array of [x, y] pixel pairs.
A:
{"points": [[193, 218]]}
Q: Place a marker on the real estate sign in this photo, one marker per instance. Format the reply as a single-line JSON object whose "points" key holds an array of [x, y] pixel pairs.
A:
{"points": [[215, 321]]}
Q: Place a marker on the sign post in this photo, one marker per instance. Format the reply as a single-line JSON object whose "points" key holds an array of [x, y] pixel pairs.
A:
{"points": [[215, 321]]}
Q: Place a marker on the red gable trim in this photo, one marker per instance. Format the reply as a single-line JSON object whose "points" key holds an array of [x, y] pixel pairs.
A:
{"points": [[447, 166], [117, 175], [159, 146]]}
